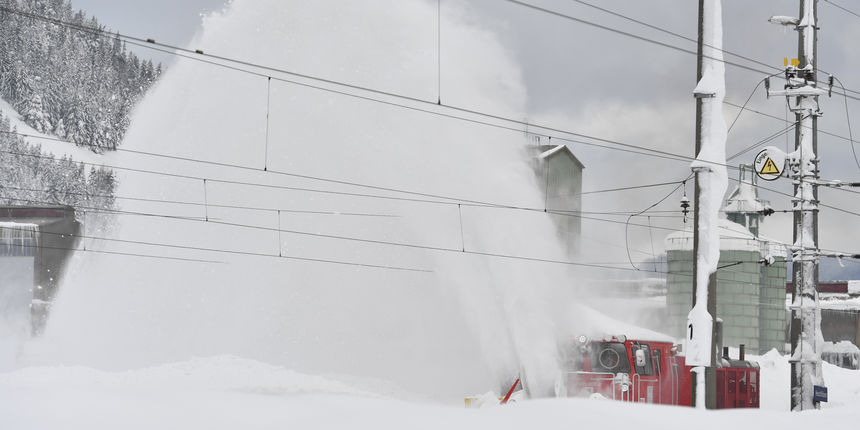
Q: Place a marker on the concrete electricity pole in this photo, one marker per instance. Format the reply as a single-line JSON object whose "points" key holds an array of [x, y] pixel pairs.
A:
{"points": [[802, 94], [710, 182]]}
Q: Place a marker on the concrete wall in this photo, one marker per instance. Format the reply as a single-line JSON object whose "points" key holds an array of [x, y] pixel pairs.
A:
{"points": [[841, 324], [16, 294], [56, 241], [750, 298]]}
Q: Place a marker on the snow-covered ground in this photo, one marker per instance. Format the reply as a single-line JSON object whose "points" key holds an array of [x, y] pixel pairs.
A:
{"points": [[228, 393]]}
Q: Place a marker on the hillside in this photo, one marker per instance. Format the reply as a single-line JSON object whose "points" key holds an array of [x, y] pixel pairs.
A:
{"points": [[68, 79], [34, 177]]}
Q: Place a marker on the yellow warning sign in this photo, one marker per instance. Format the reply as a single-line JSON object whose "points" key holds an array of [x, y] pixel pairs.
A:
{"points": [[769, 168]]}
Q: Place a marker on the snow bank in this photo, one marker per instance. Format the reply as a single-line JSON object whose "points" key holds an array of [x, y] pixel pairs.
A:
{"points": [[197, 394], [201, 374]]}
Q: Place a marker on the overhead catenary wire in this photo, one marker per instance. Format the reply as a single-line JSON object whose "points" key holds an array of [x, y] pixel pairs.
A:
{"points": [[211, 205], [848, 120], [196, 54], [339, 237], [214, 250], [627, 224], [767, 139], [670, 156], [646, 39], [752, 93], [97, 251], [232, 224], [693, 40], [675, 34], [647, 149], [844, 9], [450, 200], [152, 44]]}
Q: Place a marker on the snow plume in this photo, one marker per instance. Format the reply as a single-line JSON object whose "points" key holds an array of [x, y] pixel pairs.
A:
{"points": [[470, 324], [712, 182]]}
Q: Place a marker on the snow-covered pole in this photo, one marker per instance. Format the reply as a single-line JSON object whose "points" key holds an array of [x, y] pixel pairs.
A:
{"points": [[802, 93], [806, 338], [711, 183]]}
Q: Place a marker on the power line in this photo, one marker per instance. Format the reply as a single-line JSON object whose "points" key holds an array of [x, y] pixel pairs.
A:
{"points": [[346, 238], [198, 53], [848, 119], [127, 254], [215, 250], [393, 95], [266, 209], [632, 187], [672, 33], [370, 90], [627, 224], [771, 137], [211, 205], [321, 235], [785, 120], [651, 152], [453, 200], [690, 39], [687, 38], [842, 8], [743, 108], [622, 32], [792, 196], [645, 39], [561, 213]]}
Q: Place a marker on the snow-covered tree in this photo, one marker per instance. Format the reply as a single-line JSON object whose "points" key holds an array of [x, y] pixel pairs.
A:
{"points": [[87, 81]]}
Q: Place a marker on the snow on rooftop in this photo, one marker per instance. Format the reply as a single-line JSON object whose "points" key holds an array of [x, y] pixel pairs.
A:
{"points": [[19, 225], [733, 237], [599, 325], [552, 151], [839, 303], [854, 287], [843, 347]]}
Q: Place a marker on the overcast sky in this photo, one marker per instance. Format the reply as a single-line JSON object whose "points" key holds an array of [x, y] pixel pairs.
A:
{"points": [[599, 83]]}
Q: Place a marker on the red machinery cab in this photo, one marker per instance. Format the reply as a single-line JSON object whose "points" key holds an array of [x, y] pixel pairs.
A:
{"points": [[646, 371]]}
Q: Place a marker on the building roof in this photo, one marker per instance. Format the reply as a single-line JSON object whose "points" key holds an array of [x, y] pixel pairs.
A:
{"points": [[553, 150], [38, 215]]}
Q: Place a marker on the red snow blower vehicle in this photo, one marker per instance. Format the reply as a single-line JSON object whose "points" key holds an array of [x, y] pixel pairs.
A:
{"points": [[645, 371]]}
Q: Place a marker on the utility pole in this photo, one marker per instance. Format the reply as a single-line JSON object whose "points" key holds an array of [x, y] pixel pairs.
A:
{"points": [[802, 92], [710, 181]]}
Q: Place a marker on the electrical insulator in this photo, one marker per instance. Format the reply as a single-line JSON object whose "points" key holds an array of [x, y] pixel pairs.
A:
{"points": [[685, 207]]}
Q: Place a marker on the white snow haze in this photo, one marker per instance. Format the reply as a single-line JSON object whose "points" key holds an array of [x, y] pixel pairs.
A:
{"points": [[462, 324]]}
